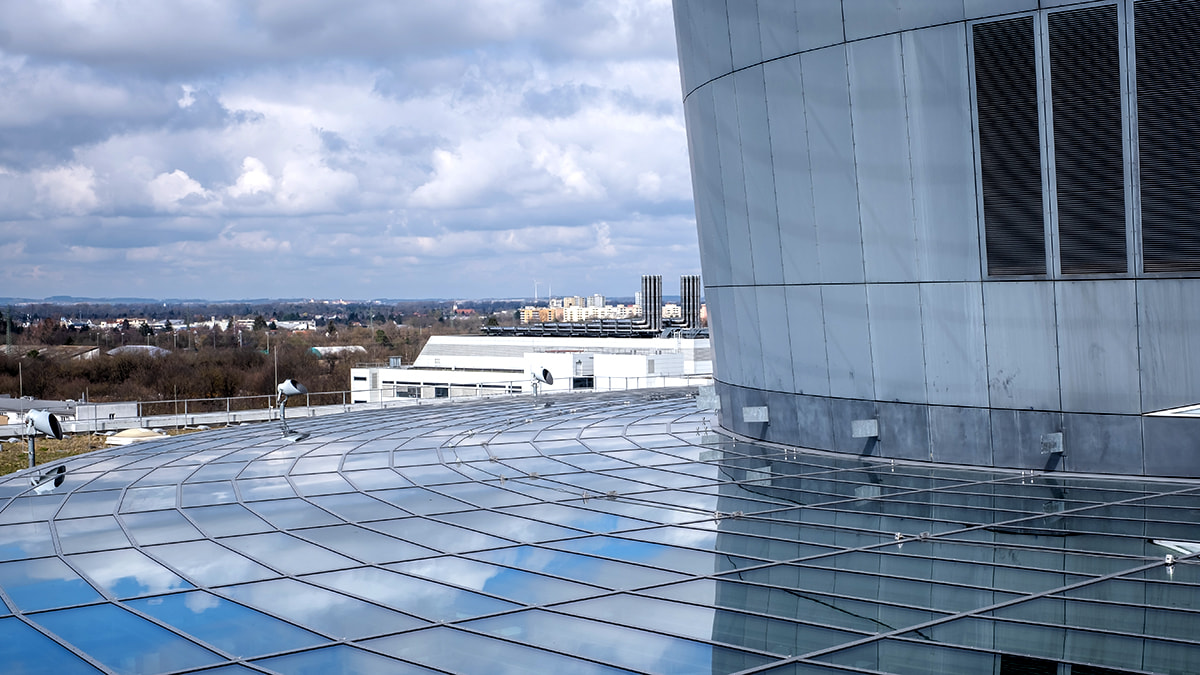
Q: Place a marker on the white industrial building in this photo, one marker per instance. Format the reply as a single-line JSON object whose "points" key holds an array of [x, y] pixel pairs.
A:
{"points": [[469, 365]]}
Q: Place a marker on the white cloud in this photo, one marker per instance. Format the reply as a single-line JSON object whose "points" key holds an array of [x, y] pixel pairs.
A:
{"points": [[444, 148], [66, 190], [167, 190]]}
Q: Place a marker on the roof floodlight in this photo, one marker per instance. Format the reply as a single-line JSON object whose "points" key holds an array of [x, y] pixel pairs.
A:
{"points": [[537, 379], [41, 421], [289, 388], [45, 422]]}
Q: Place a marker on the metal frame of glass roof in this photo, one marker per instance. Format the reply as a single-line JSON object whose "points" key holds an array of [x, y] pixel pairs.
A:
{"points": [[600, 533]]}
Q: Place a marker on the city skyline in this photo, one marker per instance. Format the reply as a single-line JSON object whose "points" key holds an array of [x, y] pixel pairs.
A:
{"points": [[307, 151]]}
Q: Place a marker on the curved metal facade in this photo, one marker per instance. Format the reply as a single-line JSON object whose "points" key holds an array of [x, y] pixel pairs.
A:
{"points": [[969, 221]]}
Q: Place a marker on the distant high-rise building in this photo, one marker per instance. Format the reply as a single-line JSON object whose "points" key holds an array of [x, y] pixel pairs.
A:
{"points": [[689, 299], [652, 301], [596, 300]]}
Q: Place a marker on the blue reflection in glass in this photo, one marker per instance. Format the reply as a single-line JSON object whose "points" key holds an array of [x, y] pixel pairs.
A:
{"points": [[24, 650], [24, 541], [237, 630], [127, 573], [125, 642], [408, 594], [462, 652], [322, 610], [605, 573], [620, 646], [338, 660], [43, 583], [657, 555], [519, 585]]}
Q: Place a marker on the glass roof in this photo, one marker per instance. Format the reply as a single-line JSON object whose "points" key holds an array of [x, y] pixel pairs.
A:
{"points": [[599, 533]]}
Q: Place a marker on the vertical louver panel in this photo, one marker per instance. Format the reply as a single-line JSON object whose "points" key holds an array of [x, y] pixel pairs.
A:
{"points": [[1009, 157], [1167, 35], [1085, 89]]}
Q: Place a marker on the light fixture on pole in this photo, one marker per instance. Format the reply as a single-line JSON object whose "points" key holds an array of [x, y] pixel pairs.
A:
{"points": [[537, 379], [41, 421], [289, 388]]}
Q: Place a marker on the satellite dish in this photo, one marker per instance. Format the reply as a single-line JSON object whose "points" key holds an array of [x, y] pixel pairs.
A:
{"points": [[45, 422]]}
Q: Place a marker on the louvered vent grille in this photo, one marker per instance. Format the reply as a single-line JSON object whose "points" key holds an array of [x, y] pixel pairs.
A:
{"points": [[1009, 157], [1085, 85], [1167, 34]]}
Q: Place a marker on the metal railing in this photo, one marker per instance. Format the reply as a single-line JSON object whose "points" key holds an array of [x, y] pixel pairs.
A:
{"points": [[193, 412]]}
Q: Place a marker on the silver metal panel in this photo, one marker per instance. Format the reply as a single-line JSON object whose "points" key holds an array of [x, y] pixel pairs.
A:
{"points": [[724, 340], [762, 216], [978, 9], [709, 26], [748, 349], [684, 45], [1021, 345], [793, 185], [1097, 342], [955, 351], [778, 28], [810, 365], [943, 164], [776, 338], [706, 182], [1170, 342], [881, 159], [866, 18], [733, 185], [897, 345], [821, 21], [864, 428], [831, 161], [745, 44], [848, 341], [922, 13]]}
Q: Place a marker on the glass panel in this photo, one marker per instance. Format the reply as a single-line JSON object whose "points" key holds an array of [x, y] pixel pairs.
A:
{"points": [[338, 660], [510, 527], [127, 573], [581, 519], [333, 614], [27, 540], [90, 504], [288, 554], [227, 519], [208, 564], [149, 498], [291, 513], [439, 536], [274, 487], [42, 583], [24, 650], [236, 630], [90, 535], [518, 585], [365, 545], [423, 598], [28, 509], [420, 501], [358, 507], [645, 553], [623, 647], [605, 573], [124, 641], [461, 652], [159, 527]]}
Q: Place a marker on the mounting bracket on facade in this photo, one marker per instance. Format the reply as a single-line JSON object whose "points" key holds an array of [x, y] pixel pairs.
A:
{"points": [[1052, 444], [864, 428], [756, 413]]}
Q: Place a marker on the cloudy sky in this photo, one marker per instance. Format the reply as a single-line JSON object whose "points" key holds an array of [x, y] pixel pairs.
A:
{"points": [[227, 149]]}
